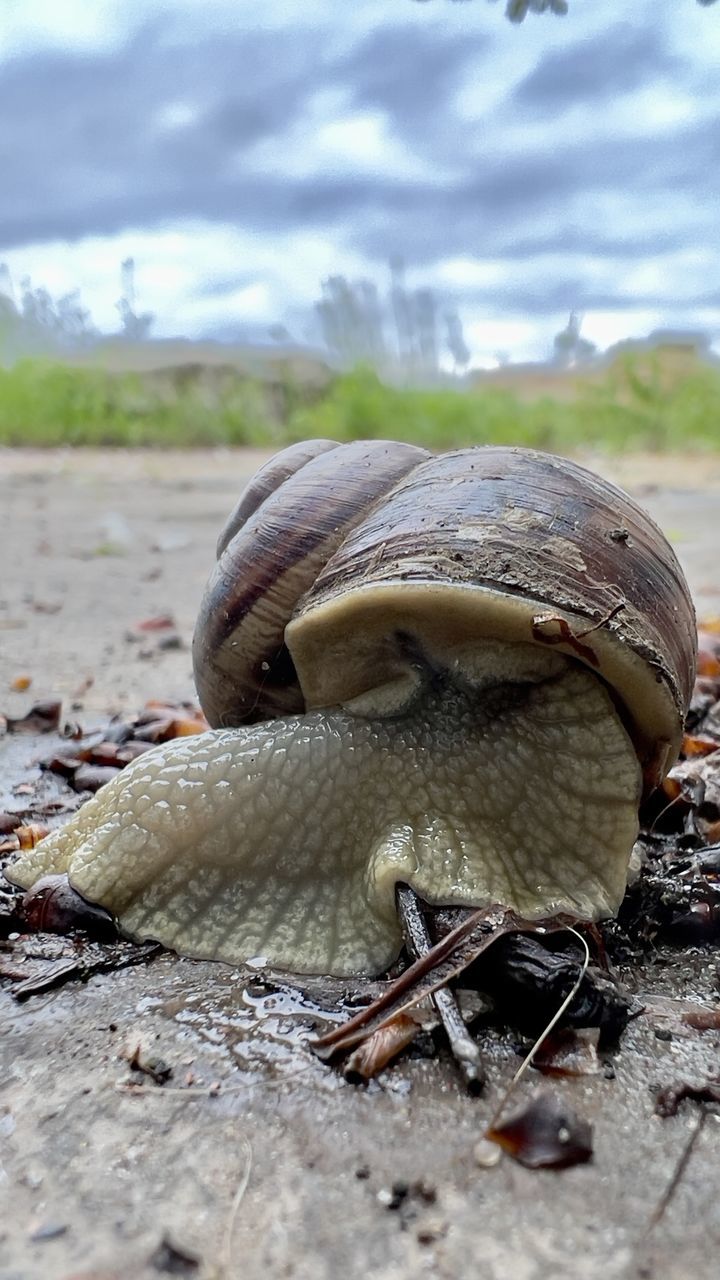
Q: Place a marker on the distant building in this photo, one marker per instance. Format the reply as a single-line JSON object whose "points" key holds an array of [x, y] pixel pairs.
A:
{"points": [[675, 352], [679, 346]]}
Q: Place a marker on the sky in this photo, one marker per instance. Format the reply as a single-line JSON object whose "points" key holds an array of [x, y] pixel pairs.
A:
{"points": [[241, 152]]}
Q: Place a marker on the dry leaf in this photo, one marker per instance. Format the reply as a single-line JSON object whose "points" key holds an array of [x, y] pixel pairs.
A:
{"points": [[44, 717], [668, 1099], [380, 1048], [162, 622], [53, 906], [699, 745], [91, 777], [702, 1019], [546, 1134]]}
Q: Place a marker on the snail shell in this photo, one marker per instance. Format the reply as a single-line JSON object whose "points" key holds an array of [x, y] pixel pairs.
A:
{"points": [[464, 670], [508, 544]]}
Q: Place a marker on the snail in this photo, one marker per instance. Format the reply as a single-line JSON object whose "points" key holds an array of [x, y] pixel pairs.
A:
{"points": [[460, 672]]}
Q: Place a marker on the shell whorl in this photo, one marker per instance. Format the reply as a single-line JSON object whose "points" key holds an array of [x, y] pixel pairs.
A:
{"points": [[276, 471], [290, 519]]}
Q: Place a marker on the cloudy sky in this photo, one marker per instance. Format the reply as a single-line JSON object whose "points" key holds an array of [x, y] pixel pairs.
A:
{"points": [[242, 150]]}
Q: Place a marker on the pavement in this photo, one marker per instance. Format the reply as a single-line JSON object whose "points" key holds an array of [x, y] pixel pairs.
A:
{"points": [[255, 1159]]}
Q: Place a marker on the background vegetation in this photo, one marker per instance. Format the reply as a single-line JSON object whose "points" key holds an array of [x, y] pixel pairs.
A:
{"points": [[392, 365], [633, 407]]}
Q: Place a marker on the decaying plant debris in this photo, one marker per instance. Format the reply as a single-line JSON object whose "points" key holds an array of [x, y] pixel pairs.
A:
{"points": [[518, 973], [545, 1135]]}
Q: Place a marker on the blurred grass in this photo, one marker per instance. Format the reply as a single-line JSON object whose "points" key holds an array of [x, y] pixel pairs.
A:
{"points": [[634, 407]]}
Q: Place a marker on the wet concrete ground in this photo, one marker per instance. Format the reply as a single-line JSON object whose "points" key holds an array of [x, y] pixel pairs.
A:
{"points": [[96, 1177], [286, 1170]]}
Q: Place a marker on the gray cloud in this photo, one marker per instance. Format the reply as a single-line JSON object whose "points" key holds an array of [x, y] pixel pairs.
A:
{"points": [[411, 73], [78, 150], [81, 151], [626, 58], [505, 196]]}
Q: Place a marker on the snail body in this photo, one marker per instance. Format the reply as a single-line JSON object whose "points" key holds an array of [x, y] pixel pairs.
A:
{"points": [[459, 672]]}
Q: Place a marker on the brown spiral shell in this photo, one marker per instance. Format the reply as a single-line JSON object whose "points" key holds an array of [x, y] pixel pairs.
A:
{"points": [[360, 542]]}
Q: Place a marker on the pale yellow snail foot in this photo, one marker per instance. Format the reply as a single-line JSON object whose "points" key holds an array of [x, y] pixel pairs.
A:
{"points": [[286, 839]]}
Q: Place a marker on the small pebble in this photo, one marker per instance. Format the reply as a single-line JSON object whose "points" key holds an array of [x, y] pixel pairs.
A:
{"points": [[487, 1154], [50, 1231]]}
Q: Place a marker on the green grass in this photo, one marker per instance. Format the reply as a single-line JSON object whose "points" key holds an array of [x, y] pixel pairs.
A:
{"points": [[52, 404], [46, 404]]}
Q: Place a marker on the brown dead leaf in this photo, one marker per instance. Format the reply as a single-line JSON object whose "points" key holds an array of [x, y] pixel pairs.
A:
{"points": [[697, 780], [568, 1052], [708, 664], [708, 659], [114, 753], [31, 834], [63, 765], [43, 717], [546, 1134], [186, 726], [700, 745], [91, 777], [53, 906], [668, 1099], [153, 731], [162, 728], [82, 962], [23, 837], [476, 931], [161, 622], [89, 767], [702, 1019], [382, 1046], [155, 709]]}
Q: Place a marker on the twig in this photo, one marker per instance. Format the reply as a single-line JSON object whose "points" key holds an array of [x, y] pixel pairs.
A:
{"points": [[226, 1251], [406, 990], [447, 958], [678, 1172], [418, 943]]}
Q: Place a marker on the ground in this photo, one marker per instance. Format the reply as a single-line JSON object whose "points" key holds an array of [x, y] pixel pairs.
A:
{"points": [[255, 1159]]}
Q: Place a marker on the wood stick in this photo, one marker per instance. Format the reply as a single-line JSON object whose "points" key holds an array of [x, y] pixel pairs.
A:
{"points": [[418, 943]]}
